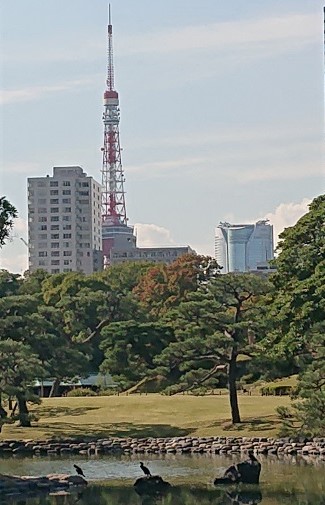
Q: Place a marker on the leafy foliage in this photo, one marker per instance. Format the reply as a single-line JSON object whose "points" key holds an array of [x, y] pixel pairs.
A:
{"points": [[213, 327], [7, 215]]}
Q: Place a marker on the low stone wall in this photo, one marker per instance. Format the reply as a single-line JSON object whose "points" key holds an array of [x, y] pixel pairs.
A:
{"points": [[31, 486], [175, 445]]}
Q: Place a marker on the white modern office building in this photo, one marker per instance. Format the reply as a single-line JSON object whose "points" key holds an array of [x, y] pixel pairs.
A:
{"points": [[244, 247], [64, 222]]}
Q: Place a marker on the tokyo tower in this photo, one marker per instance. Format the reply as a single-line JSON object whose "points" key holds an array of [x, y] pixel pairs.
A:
{"points": [[116, 234]]}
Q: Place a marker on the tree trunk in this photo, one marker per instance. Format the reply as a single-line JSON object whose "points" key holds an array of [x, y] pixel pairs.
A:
{"points": [[232, 376], [23, 414], [3, 413], [55, 388]]}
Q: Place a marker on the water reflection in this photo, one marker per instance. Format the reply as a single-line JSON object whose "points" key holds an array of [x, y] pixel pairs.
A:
{"points": [[99, 495]]}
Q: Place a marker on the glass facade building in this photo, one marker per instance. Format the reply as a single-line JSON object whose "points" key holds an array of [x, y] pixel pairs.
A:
{"points": [[243, 247]]}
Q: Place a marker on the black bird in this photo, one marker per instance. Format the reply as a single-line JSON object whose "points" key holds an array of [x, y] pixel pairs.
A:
{"points": [[145, 470], [252, 457], [79, 470]]}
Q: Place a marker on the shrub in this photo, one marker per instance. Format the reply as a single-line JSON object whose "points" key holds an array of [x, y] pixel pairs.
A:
{"points": [[275, 390], [81, 392]]}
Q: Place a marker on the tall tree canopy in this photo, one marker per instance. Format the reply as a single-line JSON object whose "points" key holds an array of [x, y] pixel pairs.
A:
{"points": [[297, 310], [213, 327], [7, 215]]}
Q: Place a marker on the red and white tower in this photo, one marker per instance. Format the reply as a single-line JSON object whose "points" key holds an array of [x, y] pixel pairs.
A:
{"points": [[116, 233]]}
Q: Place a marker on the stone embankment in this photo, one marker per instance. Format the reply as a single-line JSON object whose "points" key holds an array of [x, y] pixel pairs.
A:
{"points": [[173, 445], [11, 485]]}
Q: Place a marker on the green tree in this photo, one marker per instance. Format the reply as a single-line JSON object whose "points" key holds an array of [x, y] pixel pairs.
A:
{"points": [[9, 283], [7, 215], [130, 349], [298, 299], [18, 369], [219, 323], [297, 310]]}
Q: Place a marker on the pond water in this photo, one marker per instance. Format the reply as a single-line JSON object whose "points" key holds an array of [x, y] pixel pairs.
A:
{"points": [[294, 481]]}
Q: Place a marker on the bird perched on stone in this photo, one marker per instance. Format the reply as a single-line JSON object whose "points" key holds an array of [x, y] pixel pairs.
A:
{"points": [[251, 456], [145, 470], [79, 470]]}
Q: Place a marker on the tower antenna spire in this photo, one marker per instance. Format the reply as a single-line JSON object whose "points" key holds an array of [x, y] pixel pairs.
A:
{"points": [[110, 65]]}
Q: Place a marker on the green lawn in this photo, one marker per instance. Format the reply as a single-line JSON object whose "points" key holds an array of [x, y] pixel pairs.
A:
{"points": [[150, 415]]}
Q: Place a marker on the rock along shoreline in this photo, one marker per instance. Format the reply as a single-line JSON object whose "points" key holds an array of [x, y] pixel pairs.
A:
{"points": [[314, 447]]}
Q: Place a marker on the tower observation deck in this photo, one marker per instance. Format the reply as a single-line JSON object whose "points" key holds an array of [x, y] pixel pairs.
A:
{"points": [[115, 230]]}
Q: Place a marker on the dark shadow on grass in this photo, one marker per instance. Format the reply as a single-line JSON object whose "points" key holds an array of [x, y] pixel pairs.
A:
{"points": [[102, 430], [64, 411], [265, 423]]}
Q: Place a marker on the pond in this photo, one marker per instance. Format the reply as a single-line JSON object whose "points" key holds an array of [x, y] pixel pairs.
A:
{"points": [[294, 481]]}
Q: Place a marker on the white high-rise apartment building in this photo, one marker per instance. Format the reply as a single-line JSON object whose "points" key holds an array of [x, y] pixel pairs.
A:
{"points": [[244, 247], [64, 222]]}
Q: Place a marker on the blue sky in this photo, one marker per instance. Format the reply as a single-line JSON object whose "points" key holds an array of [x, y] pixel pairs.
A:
{"points": [[221, 108]]}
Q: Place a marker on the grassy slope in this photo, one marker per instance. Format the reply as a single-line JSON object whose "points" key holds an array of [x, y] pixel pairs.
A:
{"points": [[151, 415]]}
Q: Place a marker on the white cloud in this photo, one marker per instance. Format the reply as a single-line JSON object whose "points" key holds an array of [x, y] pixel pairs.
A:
{"points": [[282, 32], [35, 92], [258, 37], [150, 235], [287, 214]]}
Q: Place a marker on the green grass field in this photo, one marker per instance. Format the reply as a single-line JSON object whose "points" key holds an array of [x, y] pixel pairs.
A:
{"points": [[150, 415]]}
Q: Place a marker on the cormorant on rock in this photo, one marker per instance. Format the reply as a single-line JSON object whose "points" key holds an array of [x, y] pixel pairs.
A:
{"points": [[145, 470], [79, 470], [251, 456]]}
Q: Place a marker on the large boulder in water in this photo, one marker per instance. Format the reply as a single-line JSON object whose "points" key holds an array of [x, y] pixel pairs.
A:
{"points": [[247, 472], [152, 485]]}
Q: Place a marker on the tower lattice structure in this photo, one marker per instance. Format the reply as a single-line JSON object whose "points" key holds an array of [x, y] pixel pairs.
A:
{"points": [[115, 230], [113, 195]]}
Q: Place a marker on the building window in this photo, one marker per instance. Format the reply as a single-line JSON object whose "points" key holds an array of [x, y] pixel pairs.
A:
{"points": [[67, 209], [66, 218], [54, 210], [54, 192], [66, 235], [42, 263], [84, 193], [66, 200], [54, 184], [67, 270], [66, 244], [42, 210], [42, 219], [54, 201], [54, 218], [55, 253], [66, 262], [42, 254], [55, 226], [42, 236], [66, 192], [67, 226], [55, 262], [67, 253], [55, 236], [85, 184], [43, 227], [66, 183], [55, 245], [55, 271]]}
